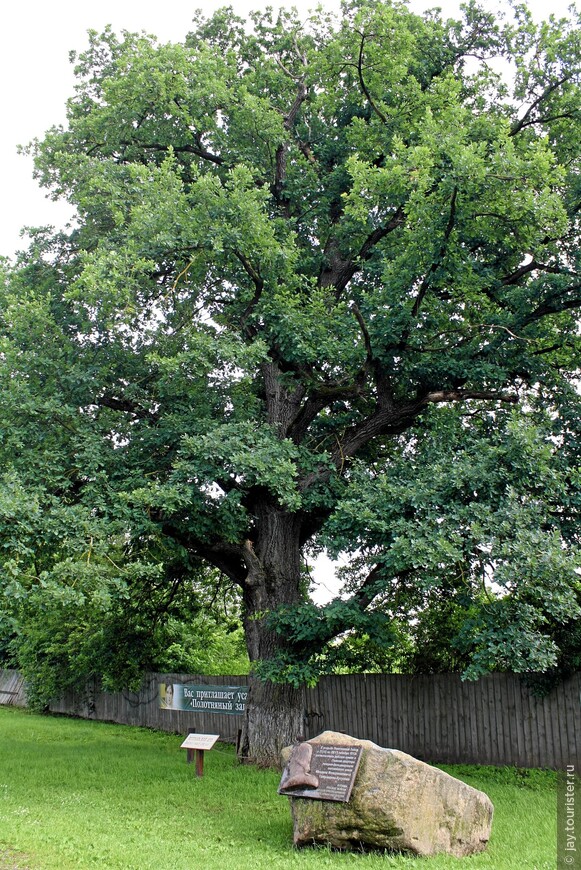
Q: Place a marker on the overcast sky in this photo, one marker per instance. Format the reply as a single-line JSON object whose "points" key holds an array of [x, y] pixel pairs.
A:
{"points": [[36, 79]]}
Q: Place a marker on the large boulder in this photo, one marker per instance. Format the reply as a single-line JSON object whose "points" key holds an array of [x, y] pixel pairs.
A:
{"points": [[397, 803]]}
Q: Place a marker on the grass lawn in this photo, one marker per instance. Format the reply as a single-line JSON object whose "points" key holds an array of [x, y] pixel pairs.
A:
{"points": [[85, 794]]}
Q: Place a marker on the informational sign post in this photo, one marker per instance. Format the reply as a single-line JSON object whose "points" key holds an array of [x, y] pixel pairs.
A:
{"points": [[321, 772], [200, 743], [230, 700]]}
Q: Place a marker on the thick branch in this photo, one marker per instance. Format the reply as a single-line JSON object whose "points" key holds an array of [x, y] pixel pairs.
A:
{"points": [[280, 160], [319, 399], [397, 220], [300, 98], [365, 333], [126, 406], [554, 305], [368, 589], [533, 266], [250, 270], [364, 87], [340, 271], [198, 151], [424, 286], [227, 558], [526, 121], [282, 403], [464, 395], [390, 418], [324, 395]]}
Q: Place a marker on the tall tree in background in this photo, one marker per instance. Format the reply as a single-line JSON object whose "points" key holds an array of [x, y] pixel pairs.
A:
{"points": [[292, 243]]}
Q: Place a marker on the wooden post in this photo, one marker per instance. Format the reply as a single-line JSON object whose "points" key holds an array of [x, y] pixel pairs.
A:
{"points": [[190, 752], [199, 762]]}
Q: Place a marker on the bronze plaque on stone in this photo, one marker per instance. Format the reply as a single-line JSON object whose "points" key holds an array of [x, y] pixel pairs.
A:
{"points": [[321, 771]]}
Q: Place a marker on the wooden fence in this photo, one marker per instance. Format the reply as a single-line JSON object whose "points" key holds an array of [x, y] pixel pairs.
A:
{"points": [[12, 689], [439, 718]]}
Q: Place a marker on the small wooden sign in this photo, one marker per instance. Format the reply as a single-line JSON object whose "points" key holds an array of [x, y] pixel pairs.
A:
{"points": [[200, 743], [330, 775]]}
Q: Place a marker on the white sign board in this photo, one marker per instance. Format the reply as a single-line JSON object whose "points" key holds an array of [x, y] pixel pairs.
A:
{"points": [[199, 741]]}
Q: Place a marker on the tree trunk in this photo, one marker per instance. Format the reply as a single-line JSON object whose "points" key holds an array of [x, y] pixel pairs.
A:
{"points": [[274, 712], [274, 718]]}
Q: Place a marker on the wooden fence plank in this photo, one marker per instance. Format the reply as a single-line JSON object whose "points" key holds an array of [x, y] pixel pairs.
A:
{"points": [[375, 708], [504, 716], [12, 689], [560, 724], [478, 718], [569, 705], [387, 729], [396, 711], [518, 742], [472, 725], [486, 692], [550, 735]]}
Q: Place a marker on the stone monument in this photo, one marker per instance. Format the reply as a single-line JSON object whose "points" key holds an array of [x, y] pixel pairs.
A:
{"points": [[394, 802]]}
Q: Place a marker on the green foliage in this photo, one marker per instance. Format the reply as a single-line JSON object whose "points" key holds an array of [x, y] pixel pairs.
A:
{"points": [[473, 533], [362, 640], [207, 644], [472, 528], [296, 240], [70, 630], [108, 611]]}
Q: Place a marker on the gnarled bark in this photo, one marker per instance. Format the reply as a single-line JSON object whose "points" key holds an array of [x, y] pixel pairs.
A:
{"points": [[274, 712], [274, 718]]}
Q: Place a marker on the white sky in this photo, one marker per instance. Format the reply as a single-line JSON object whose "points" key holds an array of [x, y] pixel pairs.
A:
{"points": [[36, 79]]}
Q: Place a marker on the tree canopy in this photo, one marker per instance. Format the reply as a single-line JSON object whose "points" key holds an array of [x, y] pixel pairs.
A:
{"points": [[323, 290]]}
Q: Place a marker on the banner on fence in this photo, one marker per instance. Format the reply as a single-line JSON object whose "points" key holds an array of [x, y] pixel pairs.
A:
{"points": [[230, 700]]}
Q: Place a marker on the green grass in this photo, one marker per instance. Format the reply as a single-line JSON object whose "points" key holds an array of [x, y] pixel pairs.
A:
{"points": [[84, 794]]}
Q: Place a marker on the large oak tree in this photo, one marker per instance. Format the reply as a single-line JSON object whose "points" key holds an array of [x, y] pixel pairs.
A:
{"points": [[294, 239]]}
